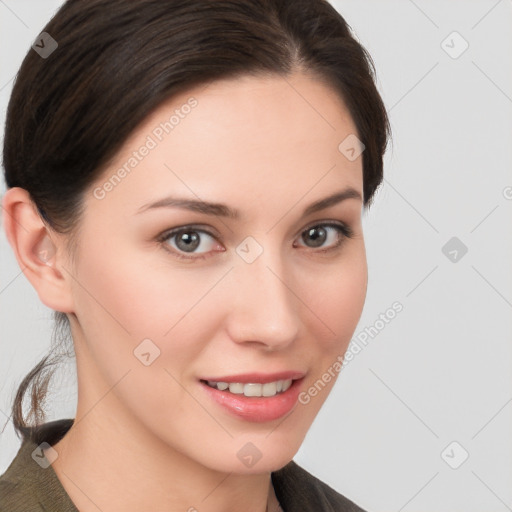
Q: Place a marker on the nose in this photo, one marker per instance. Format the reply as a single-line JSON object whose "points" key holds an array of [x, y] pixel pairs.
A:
{"points": [[264, 308]]}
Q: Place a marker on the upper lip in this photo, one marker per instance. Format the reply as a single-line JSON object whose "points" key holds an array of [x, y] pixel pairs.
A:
{"points": [[261, 378]]}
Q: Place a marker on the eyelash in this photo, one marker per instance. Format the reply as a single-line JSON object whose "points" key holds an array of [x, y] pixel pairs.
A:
{"points": [[343, 230]]}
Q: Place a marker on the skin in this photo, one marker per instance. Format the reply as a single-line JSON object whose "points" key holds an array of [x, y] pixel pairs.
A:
{"points": [[148, 437]]}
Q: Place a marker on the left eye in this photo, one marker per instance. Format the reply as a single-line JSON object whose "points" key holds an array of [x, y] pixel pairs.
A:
{"points": [[319, 234], [188, 239]]}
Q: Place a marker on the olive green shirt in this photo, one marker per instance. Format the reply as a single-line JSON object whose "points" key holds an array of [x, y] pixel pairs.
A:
{"points": [[31, 485]]}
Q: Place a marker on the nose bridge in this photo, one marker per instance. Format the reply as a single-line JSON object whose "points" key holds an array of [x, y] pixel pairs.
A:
{"points": [[264, 307]]}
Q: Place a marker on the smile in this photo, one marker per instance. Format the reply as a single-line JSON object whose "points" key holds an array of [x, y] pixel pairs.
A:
{"points": [[271, 398], [252, 388]]}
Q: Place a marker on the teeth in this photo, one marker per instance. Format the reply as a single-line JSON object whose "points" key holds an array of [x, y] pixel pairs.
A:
{"points": [[253, 389], [236, 387], [269, 389], [286, 384]]}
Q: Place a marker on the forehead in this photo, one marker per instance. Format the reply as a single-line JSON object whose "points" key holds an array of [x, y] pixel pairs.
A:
{"points": [[246, 141]]}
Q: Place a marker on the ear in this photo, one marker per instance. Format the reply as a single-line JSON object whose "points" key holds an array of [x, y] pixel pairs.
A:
{"points": [[40, 252]]}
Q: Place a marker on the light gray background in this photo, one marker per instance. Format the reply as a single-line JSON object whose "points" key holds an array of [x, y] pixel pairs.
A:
{"points": [[441, 370]]}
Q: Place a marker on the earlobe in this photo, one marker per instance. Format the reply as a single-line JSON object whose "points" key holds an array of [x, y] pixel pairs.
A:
{"points": [[37, 250]]}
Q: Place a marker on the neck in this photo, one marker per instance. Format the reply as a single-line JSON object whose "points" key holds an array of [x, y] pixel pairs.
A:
{"points": [[103, 464]]}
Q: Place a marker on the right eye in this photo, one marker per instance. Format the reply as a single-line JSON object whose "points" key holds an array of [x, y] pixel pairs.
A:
{"points": [[187, 240]]}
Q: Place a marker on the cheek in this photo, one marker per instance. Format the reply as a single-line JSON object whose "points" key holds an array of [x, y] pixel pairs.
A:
{"points": [[336, 299], [121, 301], [124, 297], [128, 290], [339, 299]]}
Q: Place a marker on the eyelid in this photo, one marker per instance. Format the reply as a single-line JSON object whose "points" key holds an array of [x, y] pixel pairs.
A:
{"points": [[330, 223]]}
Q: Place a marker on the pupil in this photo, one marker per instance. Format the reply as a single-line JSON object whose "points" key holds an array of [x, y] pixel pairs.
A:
{"points": [[317, 239], [191, 241]]}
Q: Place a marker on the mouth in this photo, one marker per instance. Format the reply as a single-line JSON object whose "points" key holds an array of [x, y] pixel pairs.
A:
{"points": [[249, 389], [255, 397]]}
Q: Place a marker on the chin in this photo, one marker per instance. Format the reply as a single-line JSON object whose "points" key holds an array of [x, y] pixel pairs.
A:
{"points": [[262, 452]]}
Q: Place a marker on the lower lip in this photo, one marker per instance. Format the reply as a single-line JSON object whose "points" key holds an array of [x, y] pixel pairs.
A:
{"points": [[256, 409]]}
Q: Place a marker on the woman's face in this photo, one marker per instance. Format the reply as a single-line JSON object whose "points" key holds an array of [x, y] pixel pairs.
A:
{"points": [[254, 298]]}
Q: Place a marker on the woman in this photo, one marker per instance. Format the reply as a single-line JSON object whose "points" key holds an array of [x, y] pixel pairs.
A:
{"points": [[185, 188]]}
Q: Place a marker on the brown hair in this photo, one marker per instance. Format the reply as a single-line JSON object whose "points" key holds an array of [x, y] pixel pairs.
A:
{"points": [[118, 60]]}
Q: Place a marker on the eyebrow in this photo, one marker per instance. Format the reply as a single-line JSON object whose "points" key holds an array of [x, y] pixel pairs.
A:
{"points": [[222, 210]]}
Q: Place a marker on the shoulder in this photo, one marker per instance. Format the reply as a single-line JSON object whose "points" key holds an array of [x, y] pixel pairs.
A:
{"points": [[297, 489], [17, 492], [29, 484]]}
